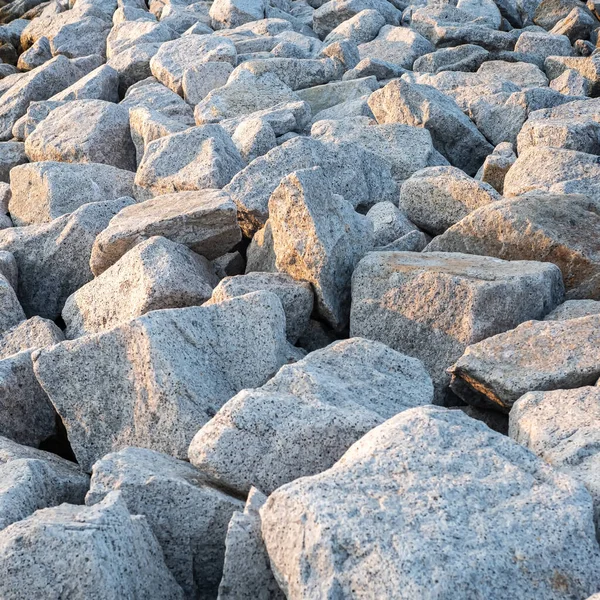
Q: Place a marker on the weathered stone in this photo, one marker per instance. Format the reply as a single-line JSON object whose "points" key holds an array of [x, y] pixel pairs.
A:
{"points": [[359, 29], [254, 138], [11, 155], [35, 56], [466, 57], [432, 306], [389, 223], [318, 237], [571, 83], [573, 309], [564, 172], [198, 158], [155, 274], [260, 254], [228, 14], [247, 573], [544, 44], [303, 420], [87, 131], [112, 553], [205, 221], [452, 132], [563, 429], [27, 485], [559, 229], [44, 191], [142, 376], [536, 356], [29, 335], [360, 176], [198, 81], [39, 84], [243, 94], [429, 476], [188, 516], [83, 37], [496, 165], [170, 63], [53, 258], [296, 296], [100, 84], [438, 197]]}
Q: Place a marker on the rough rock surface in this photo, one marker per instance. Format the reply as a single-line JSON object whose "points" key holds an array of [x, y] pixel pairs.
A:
{"points": [[198, 193], [188, 516], [154, 397], [301, 421], [433, 305], [425, 477]]}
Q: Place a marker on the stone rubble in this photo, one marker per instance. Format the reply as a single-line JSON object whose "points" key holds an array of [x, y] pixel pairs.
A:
{"points": [[299, 299]]}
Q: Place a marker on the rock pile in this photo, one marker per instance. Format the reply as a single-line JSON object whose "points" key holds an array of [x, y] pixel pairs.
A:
{"points": [[299, 299]]}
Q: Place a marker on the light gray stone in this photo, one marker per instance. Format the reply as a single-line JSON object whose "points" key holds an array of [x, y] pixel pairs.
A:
{"points": [[29, 335], [360, 176], [155, 274], [228, 14], [254, 137], [466, 57], [205, 221], [361, 28], [433, 305], [247, 573], [11, 155], [496, 165], [198, 81], [173, 58], [544, 44], [452, 132], [535, 356], [571, 83], [538, 226], [43, 191], [188, 516], [389, 223], [198, 158], [423, 477], [244, 93], [35, 56], [40, 84], [563, 429], [303, 420], [143, 376], [318, 237], [100, 84], [573, 309], [87, 131], [260, 254], [83, 37], [27, 485], [112, 553], [53, 258], [436, 198], [296, 296]]}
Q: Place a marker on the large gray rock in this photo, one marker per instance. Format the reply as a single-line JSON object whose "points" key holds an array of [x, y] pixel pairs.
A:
{"points": [[195, 159], [466, 57], [243, 94], [205, 221], [53, 258], [188, 516], [296, 296], [87, 131], [155, 274], [29, 335], [572, 309], [429, 483], [438, 197], [535, 356], [432, 306], [361, 28], [360, 176], [389, 224], [452, 132], [564, 172], [559, 229], [399, 46], [111, 554], [406, 148], [100, 84], [11, 312], [138, 384], [562, 428], [247, 573], [44, 191], [228, 14], [318, 237], [169, 64], [11, 155], [27, 485], [303, 420], [39, 84]]}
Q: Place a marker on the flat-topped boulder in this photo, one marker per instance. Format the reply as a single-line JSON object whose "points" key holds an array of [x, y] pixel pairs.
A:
{"points": [[433, 305]]}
